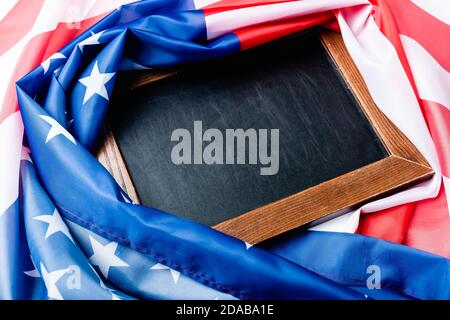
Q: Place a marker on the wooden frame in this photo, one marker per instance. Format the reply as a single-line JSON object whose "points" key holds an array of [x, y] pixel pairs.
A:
{"points": [[403, 167]]}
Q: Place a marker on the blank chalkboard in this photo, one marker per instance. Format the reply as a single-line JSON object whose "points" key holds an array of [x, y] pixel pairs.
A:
{"points": [[291, 85]]}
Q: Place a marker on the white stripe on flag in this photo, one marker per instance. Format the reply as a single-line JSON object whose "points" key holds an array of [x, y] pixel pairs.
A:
{"points": [[198, 4], [224, 22], [431, 79], [389, 86], [436, 8], [8, 62], [385, 77], [347, 223], [69, 11], [11, 133], [6, 6]]}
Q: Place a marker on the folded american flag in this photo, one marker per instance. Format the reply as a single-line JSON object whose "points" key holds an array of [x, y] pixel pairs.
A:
{"points": [[68, 231]]}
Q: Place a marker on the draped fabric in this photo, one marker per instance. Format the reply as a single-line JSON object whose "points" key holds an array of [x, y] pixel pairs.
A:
{"points": [[70, 232], [424, 53]]}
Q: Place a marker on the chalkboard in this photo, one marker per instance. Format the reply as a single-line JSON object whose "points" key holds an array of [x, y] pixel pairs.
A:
{"points": [[290, 85]]}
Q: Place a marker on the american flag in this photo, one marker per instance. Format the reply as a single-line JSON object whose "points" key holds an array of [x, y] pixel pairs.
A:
{"points": [[68, 231]]}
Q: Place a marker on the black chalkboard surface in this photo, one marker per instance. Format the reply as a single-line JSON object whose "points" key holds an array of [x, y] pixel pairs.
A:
{"points": [[290, 85]]}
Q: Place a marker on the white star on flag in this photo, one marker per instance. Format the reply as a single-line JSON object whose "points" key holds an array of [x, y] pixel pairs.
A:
{"points": [[46, 64], [56, 129], [104, 256], [95, 83], [55, 224], [248, 245], [175, 274], [92, 40], [50, 279]]}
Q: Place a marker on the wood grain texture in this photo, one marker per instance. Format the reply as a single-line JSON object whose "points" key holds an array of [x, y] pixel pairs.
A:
{"points": [[348, 190], [394, 140], [404, 166], [110, 157], [108, 154]]}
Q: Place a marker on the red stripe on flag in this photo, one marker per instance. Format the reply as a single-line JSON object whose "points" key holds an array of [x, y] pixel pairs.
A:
{"points": [[430, 226], [254, 36], [389, 27], [412, 21], [42, 46], [391, 224], [438, 119], [396, 19], [63, 34], [423, 225], [16, 24]]}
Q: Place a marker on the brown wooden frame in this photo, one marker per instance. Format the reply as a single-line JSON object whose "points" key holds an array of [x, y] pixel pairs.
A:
{"points": [[403, 167]]}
